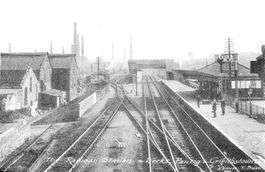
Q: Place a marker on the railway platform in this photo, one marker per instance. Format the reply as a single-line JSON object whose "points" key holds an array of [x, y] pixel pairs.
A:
{"points": [[247, 133]]}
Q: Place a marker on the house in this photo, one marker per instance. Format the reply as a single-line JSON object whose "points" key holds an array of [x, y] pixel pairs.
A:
{"points": [[65, 74], [39, 63], [18, 89]]}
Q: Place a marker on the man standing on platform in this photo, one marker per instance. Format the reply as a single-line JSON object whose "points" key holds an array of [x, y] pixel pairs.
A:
{"points": [[198, 99], [214, 103], [223, 106]]}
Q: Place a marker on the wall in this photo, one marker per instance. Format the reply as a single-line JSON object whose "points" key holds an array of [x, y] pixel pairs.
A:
{"points": [[46, 74], [32, 94], [61, 80], [48, 101], [85, 104], [12, 102], [73, 82]]}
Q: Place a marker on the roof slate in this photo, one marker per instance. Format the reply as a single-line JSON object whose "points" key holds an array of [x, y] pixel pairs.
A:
{"points": [[11, 78], [20, 61], [63, 61], [214, 69]]}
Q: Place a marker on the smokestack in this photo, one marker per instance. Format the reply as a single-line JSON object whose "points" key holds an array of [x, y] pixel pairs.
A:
{"points": [[124, 54], [131, 47], [75, 39], [63, 50], [77, 50], [112, 48], [51, 48], [82, 46], [9, 48], [263, 51]]}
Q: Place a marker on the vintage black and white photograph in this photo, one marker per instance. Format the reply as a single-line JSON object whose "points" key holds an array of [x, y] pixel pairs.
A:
{"points": [[132, 86]]}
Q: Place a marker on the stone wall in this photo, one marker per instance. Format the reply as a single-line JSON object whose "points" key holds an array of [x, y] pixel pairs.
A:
{"points": [[87, 103]]}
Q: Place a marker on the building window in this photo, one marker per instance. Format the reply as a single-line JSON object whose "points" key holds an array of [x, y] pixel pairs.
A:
{"points": [[30, 86], [247, 84], [26, 96]]}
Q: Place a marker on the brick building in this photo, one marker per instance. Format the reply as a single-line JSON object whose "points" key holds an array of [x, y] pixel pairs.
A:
{"points": [[65, 74], [39, 62], [18, 88]]}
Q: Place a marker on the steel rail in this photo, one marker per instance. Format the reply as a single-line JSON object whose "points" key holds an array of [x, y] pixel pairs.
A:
{"points": [[96, 139], [186, 132], [152, 140], [147, 129], [162, 126], [75, 142], [171, 139], [205, 134], [20, 154], [145, 132]]}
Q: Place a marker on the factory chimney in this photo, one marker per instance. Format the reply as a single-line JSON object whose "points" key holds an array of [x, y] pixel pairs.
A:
{"points": [[75, 39], [82, 47], [51, 48], [131, 47], [9, 48], [77, 49], [112, 48]]}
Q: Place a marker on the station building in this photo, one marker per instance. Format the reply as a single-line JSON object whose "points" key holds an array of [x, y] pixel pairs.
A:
{"points": [[211, 81]]}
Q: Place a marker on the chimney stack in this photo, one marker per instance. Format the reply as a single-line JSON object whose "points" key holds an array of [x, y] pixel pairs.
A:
{"points": [[82, 46], [75, 39], [131, 47], [263, 51], [51, 48], [9, 48], [112, 48]]}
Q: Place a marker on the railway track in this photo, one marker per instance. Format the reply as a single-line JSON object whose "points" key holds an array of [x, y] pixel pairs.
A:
{"points": [[176, 138], [73, 155], [153, 134], [216, 157], [31, 154], [27, 154]]}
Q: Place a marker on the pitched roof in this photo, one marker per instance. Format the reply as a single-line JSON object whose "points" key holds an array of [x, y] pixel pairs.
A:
{"points": [[63, 61], [11, 78], [214, 69], [260, 57], [20, 61]]}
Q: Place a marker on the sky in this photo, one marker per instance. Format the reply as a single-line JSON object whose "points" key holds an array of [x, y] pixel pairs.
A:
{"points": [[178, 29]]}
